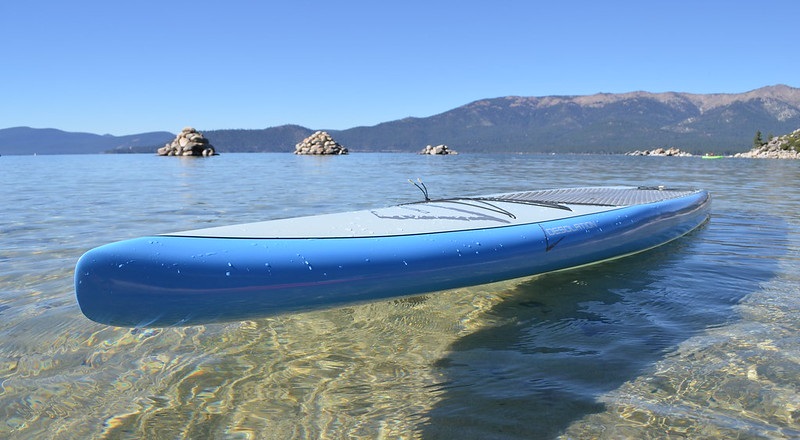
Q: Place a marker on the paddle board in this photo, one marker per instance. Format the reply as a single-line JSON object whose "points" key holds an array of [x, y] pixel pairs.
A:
{"points": [[260, 269]]}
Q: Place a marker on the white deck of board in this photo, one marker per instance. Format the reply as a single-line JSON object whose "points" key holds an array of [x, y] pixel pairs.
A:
{"points": [[417, 218]]}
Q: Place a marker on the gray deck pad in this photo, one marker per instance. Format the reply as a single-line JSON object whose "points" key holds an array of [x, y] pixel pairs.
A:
{"points": [[606, 196]]}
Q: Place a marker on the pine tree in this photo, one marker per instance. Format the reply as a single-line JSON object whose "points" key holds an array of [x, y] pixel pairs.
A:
{"points": [[758, 141]]}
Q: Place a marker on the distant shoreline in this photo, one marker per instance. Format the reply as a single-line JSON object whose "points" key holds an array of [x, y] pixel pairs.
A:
{"points": [[746, 155]]}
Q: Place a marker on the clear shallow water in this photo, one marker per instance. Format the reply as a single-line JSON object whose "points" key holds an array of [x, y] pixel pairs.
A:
{"points": [[699, 338]]}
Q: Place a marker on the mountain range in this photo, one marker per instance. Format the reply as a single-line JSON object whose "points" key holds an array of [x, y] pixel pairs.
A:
{"points": [[26, 140], [599, 123]]}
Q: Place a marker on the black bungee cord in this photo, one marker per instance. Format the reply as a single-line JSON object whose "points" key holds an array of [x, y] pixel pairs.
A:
{"points": [[421, 186]]}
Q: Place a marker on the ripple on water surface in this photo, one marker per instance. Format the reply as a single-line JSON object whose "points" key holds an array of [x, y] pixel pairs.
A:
{"points": [[695, 339]]}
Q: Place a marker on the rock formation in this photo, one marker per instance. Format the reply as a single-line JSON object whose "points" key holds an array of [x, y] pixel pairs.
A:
{"points": [[781, 147], [674, 152], [188, 143], [319, 143], [439, 149]]}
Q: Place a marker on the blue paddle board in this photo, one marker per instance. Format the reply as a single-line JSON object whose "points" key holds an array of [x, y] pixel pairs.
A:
{"points": [[260, 269]]}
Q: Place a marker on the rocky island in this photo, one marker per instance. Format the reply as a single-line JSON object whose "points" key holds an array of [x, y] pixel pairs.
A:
{"points": [[319, 143], [671, 152], [188, 143], [781, 147], [439, 149]]}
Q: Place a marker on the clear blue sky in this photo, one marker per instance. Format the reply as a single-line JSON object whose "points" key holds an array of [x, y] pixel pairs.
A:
{"points": [[134, 66]]}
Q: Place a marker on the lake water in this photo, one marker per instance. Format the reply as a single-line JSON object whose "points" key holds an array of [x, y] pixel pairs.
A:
{"points": [[699, 338]]}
